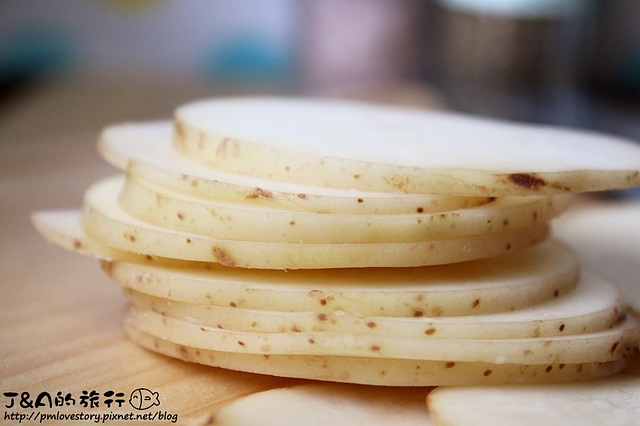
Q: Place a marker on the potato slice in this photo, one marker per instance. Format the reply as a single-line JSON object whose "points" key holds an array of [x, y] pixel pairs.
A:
{"points": [[611, 401], [379, 371], [510, 282], [104, 221], [144, 149], [593, 306], [506, 283], [377, 148], [607, 238], [327, 404], [602, 346], [62, 227], [240, 221]]}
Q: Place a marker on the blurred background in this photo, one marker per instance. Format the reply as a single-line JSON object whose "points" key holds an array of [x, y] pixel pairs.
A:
{"points": [[78, 65]]}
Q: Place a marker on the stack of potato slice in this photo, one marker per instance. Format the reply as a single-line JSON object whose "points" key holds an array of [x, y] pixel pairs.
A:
{"points": [[355, 243]]}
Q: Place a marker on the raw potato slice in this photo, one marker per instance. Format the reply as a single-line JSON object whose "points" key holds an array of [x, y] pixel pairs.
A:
{"points": [[62, 227], [327, 404], [593, 306], [379, 371], [607, 238], [239, 221], [505, 283], [104, 221], [144, 149], [611, 401], [377, 148], [604, 346]]}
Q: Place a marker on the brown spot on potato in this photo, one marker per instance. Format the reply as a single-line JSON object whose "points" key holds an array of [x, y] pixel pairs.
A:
{"points": [[302, 196], [420, 210], [77, 244], [223, 256], [487, 373], [312, 341], [188, 240], [561, 328], [450, 364], [183, 352], [240, 342], [475, 303], [292, 223], [180, 215], [233, 304], [614, 347], [375, 348], [430, 331], [360, 200], [526, 180], [259, 193], [548, 369], [417, 313], [322, 316]]}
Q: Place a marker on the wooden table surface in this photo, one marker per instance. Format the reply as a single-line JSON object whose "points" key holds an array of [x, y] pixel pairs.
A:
{"points": [[60, 317]]}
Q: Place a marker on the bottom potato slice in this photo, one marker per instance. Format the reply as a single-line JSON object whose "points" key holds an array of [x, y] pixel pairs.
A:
{"points": [[327, 404], [106, 222], [613, 401], [603, 346], [379, 371], [592, 306]]}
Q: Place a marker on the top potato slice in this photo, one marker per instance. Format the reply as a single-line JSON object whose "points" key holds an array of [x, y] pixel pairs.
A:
{"points": [[145, 150], [378, 148]]}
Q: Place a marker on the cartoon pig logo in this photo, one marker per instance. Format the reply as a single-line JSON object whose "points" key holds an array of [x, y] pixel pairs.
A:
{"points": [[143, 399]]}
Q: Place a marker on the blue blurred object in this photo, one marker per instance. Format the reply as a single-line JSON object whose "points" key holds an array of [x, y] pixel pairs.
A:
{"points": [[247, 58], [34, 52]]}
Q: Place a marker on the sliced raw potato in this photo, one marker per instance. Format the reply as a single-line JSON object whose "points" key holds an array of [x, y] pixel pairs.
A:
{"points": [[378, 148], [144, 149], [593, 306], [505, 283], [239, 221], [607, 238], [603, 346], [379, 371], [104, 221], [610, 401], [327, 404], [62, 227]]}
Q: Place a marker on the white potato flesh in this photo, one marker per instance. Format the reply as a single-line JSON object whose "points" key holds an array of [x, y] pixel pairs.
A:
{"points": [[379, 371], [327, 404], [593, 306], [378, 148], [240, 221], [62, 228], [506, 283], [606, 236], [104, 221], [613, 344], [611, 401], [144, 149]]}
